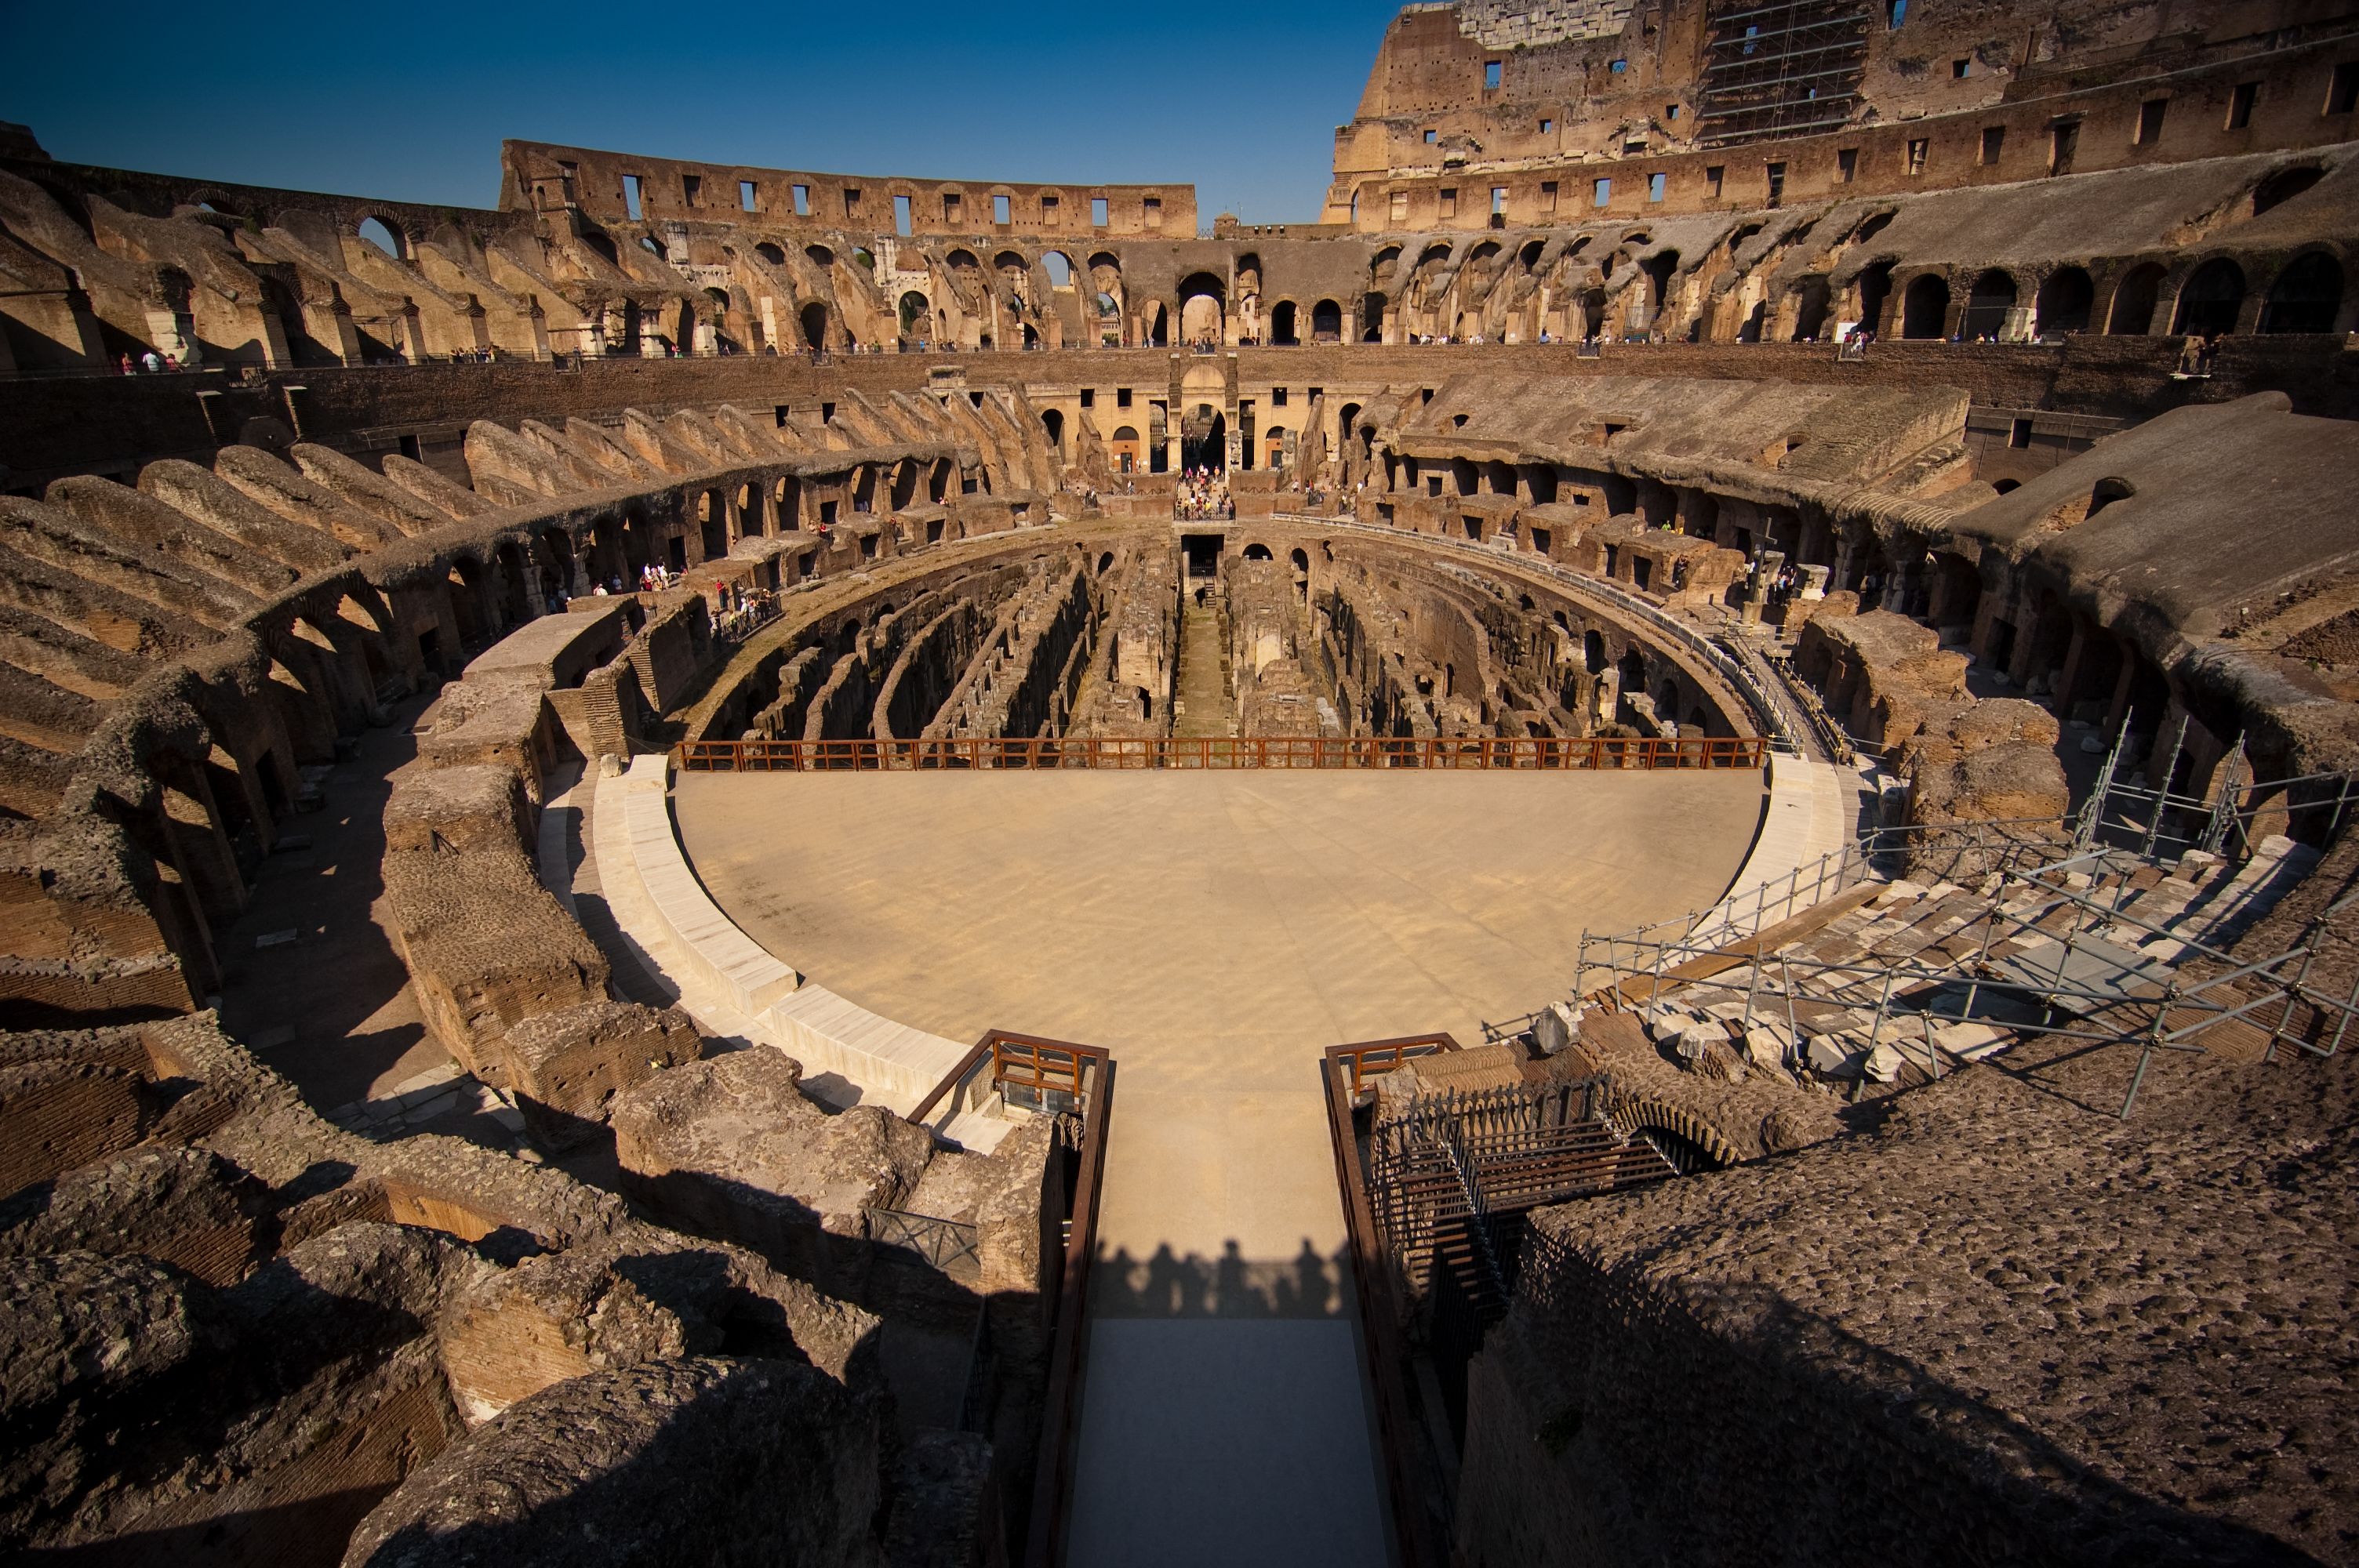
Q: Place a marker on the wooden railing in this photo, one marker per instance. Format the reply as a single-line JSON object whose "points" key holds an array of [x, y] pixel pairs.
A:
{"points": [[1052, 1472], [1491, 752], [1374, 1058], [1419, 1532]]}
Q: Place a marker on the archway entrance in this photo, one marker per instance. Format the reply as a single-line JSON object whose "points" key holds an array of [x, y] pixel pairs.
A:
{"points": [[1205, 438]]}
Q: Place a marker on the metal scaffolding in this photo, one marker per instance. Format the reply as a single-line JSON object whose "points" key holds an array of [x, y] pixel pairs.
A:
{"points": [[2050, 940], [1782, 69]]}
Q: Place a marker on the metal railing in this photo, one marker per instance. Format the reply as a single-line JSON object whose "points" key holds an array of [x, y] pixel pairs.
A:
{"points": [[947, 1244], [1579, 754]]}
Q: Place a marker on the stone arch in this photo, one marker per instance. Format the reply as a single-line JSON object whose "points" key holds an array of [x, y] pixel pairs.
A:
{"points": [[1924, 306], [1327, 322], [2306, 297], [1203, 309], [2063, 303], [385, 234], [1989, 302], [2136, 295], [1281, 323], [2211, 298]]}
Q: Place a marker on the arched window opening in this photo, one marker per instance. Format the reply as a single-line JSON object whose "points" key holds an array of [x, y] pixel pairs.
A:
{"points": [[383, 236], [1327, 322], [1281, 323]]}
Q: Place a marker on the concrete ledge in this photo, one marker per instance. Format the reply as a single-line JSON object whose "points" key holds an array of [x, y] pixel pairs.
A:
{"points": [[1805, 820], [732, 985], [708, 941]]}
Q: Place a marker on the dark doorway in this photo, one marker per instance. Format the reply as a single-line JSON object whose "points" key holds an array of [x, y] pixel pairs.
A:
{"points": [[2209, 300], [1924, 306]]}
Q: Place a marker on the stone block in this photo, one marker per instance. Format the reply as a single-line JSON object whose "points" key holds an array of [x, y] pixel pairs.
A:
{"points": [[1834, 1056], [567, 1067], [1557, 1026]]}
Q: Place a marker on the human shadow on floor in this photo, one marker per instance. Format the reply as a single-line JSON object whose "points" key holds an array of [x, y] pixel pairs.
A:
{"points": [[1170, 1284]]}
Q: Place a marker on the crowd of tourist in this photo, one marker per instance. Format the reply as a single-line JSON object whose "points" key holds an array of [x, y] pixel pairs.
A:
{"points": [[149, 363], [1201, 497], [737, 609]]}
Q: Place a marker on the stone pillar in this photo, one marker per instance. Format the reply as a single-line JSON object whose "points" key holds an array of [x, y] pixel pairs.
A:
{"points": [[412, 332], [274, 352], [2026, 636], [2069, 674], [2117, 712]]}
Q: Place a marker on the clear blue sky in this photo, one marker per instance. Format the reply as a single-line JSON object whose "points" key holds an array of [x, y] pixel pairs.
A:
{"points": [[411, 100]]}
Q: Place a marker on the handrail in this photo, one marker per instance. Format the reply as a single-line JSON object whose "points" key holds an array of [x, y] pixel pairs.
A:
{"points": [[1386, 1055], [1027, 1061], [1577, 753], [1380, 1333], [1060, 1406]]}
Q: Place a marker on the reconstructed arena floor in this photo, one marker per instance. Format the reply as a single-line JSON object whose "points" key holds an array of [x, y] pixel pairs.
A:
{"points": [[1216, 931]]}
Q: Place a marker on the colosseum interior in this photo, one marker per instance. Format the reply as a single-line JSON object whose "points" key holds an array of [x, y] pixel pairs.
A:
{"points": [[594, 794]]}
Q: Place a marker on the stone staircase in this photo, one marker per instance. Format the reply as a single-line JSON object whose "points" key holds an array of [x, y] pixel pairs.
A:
{"points": [[1207, 707]]}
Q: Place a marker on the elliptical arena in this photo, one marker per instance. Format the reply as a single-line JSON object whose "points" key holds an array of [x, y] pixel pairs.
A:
{"points": [[1639, 852]]}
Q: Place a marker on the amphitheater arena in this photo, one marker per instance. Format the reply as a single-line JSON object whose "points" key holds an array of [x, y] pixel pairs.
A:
{"points": [[1641, 852]]}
